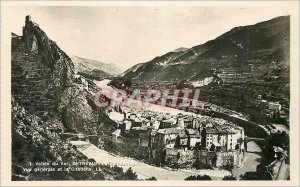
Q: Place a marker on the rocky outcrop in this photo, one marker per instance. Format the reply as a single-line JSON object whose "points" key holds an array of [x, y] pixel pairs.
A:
{"points": [[45, 102], [43, 79], [36, 141], [60, 63]]}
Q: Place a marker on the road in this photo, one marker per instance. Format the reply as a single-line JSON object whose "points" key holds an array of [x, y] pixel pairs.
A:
{"points": [[248, 139], [283, 172], [252, 159], [143, 170]]}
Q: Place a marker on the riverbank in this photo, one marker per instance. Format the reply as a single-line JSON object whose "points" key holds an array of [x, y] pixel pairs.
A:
{"points": [[143, 170]]}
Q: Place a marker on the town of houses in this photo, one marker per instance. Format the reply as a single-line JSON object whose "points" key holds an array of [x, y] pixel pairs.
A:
{"points": [[184, 137]]}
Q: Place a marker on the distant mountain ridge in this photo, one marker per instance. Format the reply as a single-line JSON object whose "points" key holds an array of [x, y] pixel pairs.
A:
{"points": [[257, 44], [85, 65], [180, 49]]}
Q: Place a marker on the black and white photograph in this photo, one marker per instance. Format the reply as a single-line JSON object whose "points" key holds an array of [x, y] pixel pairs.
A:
{"points": [[151, 93]]}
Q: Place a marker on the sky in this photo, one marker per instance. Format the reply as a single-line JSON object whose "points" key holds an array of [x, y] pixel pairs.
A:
{"points": [[128, 35]]}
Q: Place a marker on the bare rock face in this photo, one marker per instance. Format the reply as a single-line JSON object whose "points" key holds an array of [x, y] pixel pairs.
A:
{"points": [[75, 111], [60, 63], [45, 102], [43, 78], [36, 141]]}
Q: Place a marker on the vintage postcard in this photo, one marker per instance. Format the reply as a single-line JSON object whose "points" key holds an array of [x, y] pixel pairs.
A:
{"points": [[150, 93]]}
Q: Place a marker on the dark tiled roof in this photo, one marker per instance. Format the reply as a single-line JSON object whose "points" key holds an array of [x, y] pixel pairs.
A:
{"points": [[169, 131], [222, 129], [193, 131], [182, 134]]}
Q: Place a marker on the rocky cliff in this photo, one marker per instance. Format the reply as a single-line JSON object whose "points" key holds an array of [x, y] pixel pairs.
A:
{"points": [[34, 140], [43, 78], [47, 98]]}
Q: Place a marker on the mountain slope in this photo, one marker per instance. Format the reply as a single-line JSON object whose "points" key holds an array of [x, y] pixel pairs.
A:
{"points": [[132, 69], [240, 47]]}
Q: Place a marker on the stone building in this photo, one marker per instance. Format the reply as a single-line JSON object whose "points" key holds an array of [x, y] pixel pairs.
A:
{"points": [[225, 136]]}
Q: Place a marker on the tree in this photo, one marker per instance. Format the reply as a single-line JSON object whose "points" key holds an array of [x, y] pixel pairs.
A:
{"points": [[214, 160], [163, 156], [151, 179], [277, 139], [212, 147], [127, 83], [228, 178], [98, 176], [198, 146], [177, 142], [276, 117], [262, 171], [250, 176], [245, 146], [260, 174], [196, 164], [130, 175], [199, 165], [117, 169], [203, 139], [188, 140], [199, 177], [229, 167]]}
